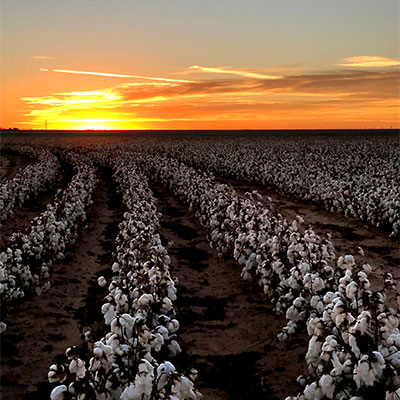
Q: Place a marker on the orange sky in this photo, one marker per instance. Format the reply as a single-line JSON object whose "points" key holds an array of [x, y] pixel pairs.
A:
{"points": [[332, 87]]}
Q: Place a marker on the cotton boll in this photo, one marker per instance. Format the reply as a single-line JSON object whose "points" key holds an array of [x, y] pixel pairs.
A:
{"points": [[166, 304], [145, 300], [108, 310], [351, 290], [313, 392], [3, 327], [173, 326], [130, 393], [183, 389], [327, 385], [163, 371], [78, 367], [174, 348], [57, 373], [58, 392], [363, 373], [101, 281], [377, 363]]}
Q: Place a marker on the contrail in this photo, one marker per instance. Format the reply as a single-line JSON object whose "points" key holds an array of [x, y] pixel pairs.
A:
{"points": [[111, 75]]}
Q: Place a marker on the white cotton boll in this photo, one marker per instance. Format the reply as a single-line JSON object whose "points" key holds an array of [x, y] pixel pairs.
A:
{"points": [[393, 395], [109, 312], [299, 302], [173, 326], [58, 392], [363, 373], [157, 341], [349, 260], [130, 393], [94, 364], [314, 349], [354, 347], [145, 299], [377, 363], [97, 352], [172, 293], [167, 304], [163, 371], [105, 348], [313, 392], [318, 284], [292, 313], [367, 268], [163, 331], [183, 389], [102, 281], [78, 367], [115, 267], [327, 385], [174, 348], [351, 290], [56, 374], [126, 321], [3, 327]]}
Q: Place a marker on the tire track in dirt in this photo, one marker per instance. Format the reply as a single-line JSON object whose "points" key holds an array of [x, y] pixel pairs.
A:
{"points": [[381, 252], [41, 328], [22, 216], [227, 328]]}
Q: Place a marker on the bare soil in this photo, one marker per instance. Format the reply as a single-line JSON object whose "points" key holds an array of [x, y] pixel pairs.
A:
{"points": [[381, 251], [227, 330], [43, 327]]}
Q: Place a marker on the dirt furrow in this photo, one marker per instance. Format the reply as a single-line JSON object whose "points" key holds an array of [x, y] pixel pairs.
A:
{"points": [[41, 328], [227, 328], [381, 251]]}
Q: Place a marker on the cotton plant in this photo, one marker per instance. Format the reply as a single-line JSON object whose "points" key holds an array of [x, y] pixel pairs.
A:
{"points": [[25, 265], [354, 348], [343, 175], [129, 362], [29, 181]]}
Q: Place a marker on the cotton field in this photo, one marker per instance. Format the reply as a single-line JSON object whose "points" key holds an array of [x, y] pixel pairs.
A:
{"points": [[200, 267]]}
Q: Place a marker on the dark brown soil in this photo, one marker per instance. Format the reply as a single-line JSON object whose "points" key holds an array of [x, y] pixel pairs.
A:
{"points": [[227, 328], [43, 327]]}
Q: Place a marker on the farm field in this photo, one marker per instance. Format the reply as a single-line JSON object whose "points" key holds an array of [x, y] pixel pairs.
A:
{"points": [[159, 265]]}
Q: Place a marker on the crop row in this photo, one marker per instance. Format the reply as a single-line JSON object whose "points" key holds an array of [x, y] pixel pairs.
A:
{"points": [[354, 346], [131, 361], [29, 181], [360, 178], [24, 265]]}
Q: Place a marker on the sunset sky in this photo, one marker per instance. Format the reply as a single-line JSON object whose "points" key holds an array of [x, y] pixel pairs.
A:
{"points": [[199, 64]]}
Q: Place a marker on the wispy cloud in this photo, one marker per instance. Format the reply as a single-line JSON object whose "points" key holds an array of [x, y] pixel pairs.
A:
{"points": [[227, 70], [113, 75], [249, 100], [369, 61], [43, 57]]}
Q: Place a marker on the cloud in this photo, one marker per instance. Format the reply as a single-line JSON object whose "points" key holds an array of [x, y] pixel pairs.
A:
{"points": [[331, 96], [369, 61], [43, 57], [227, 70], [113, 75]]}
